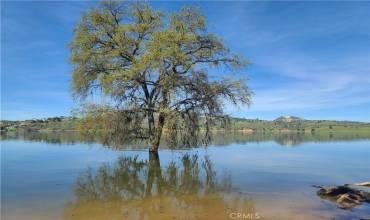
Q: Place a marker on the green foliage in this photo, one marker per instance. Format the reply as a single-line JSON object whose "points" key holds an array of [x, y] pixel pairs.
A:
{"points": [[154, 64], [107, 122], [11, 129]]}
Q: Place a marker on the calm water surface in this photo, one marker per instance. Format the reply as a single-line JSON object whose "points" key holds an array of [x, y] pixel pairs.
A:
{"points": [[258, 178]]}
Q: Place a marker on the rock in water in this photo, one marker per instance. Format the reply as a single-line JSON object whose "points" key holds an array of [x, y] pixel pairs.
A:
{"points": [[345, 196], [367, 184]]}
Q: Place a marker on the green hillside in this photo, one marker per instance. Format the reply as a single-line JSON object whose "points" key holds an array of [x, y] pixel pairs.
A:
{"points": [[281, 124], [291, 123]]}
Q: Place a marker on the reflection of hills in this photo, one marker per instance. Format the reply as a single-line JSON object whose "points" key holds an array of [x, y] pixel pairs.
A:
{"points": [[284, 139], [218, 138], [138, 189]]}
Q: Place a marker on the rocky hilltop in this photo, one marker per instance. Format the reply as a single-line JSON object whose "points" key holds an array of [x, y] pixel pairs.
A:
{"points": [[288, 118]]}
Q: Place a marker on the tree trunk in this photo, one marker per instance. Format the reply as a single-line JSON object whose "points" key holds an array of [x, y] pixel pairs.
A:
{"points": [[157, 134], [151, 126]]}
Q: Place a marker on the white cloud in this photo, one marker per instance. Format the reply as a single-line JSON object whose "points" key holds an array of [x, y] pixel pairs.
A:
{"points": [[316, 84]]}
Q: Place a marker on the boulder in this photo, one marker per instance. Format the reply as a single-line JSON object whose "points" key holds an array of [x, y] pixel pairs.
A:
{"points": [[345, 196], [366, 184]]}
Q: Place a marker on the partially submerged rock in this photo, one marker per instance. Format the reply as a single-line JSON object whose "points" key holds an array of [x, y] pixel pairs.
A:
{"points": [[345, 196], [367, 184]]}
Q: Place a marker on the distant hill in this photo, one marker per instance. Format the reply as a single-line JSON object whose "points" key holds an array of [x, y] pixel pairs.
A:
{"points": [[287, 118], [280, 124], [293, 123], [53, 124]]}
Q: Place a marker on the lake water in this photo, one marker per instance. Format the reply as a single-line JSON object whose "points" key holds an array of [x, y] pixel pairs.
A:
{"points": [[244, 176]]}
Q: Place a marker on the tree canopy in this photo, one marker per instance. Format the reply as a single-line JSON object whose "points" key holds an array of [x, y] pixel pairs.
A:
{"points": [[155, 66]]}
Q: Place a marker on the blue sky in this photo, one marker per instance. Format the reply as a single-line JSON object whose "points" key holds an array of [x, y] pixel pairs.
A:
{"points": [[310, 59]]}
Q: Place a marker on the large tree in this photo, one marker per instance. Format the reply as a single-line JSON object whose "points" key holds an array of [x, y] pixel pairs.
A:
{"points": [[155, 66]]}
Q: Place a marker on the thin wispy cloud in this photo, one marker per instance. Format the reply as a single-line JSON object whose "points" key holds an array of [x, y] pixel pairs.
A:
{"points": [[305, 56]]}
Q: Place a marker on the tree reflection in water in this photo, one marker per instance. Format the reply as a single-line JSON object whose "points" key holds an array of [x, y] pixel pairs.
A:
{"points": [[289, 139], [141, 189]]}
